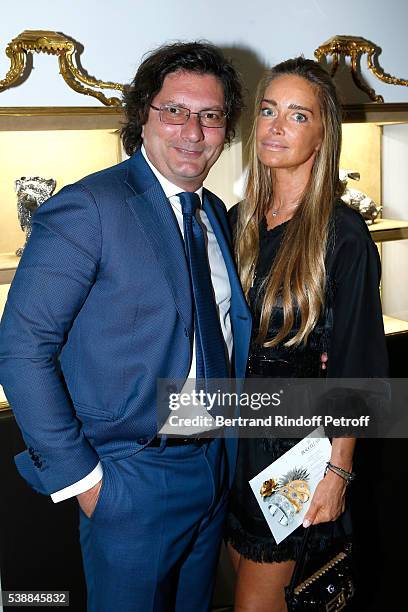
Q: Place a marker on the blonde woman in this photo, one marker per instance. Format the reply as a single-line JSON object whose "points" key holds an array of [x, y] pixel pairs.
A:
{"points": [[311, 273]]}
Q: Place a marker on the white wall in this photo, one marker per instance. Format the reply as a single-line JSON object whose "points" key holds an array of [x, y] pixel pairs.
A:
{"points": [[116, 34], [395, 202]]}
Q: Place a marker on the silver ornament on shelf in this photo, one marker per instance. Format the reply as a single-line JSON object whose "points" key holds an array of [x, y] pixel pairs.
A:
{"points": [[359, 200], [32, 191]]}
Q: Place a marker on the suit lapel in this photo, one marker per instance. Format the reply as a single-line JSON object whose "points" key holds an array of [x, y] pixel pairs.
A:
{"points": [[156, 219]]}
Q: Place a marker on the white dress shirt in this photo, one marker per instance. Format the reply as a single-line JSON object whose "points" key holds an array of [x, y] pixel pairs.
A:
{"points": [[222, 291]]}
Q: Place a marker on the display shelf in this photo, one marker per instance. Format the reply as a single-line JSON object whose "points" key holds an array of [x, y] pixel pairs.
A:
{"points": [[8, 266], [380, 113], [39, 118], [4, 288], [4, 405], [384, 230], [393, 326]]}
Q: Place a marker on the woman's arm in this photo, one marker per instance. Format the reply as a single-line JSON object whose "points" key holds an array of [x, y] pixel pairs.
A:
{"points": [[328, 501], [357, 348]]}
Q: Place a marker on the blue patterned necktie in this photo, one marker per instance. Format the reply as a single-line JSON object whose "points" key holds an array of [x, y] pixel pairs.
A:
{"points": [[210, 348]]}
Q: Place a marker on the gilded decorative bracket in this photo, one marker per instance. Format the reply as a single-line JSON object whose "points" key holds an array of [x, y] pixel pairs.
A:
{"points": [[53, 43], [354, 47]]}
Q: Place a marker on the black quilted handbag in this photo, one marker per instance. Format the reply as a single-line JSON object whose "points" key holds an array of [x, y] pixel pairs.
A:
{"points": [[328, 589]]}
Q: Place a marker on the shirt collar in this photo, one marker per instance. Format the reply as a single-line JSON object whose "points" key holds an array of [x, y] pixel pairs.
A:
{"points": [[169, 188]]}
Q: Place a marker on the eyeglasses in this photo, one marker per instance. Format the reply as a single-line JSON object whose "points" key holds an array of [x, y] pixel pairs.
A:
{"points": [[178, 115]]}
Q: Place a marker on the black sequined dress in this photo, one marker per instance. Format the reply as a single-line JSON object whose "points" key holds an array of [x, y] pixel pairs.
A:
{"points": [[350, 330]]}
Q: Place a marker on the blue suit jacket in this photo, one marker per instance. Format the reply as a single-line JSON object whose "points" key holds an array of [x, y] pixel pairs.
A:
{"points": [[99, 309]]}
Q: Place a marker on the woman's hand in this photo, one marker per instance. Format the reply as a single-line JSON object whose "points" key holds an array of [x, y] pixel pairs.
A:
{"points": [[328, 501]]}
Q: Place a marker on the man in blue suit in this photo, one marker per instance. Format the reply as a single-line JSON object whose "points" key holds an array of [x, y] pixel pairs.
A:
{"points": [[103, 305]]}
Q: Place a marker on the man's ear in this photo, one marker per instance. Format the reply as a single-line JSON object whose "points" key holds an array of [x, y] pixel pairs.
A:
{"points": [[142, 134]]}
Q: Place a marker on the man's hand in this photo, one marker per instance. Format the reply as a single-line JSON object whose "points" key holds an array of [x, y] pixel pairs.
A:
{"points": [[88, 499]]}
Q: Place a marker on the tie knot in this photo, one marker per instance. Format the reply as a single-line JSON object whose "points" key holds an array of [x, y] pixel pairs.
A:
{"points": [[190, 201]]}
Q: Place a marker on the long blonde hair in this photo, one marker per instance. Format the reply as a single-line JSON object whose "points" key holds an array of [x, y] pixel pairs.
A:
{"points": [[298, 273]]}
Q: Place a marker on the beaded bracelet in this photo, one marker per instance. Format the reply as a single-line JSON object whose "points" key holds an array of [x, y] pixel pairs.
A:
{"points": [[347, 476]]}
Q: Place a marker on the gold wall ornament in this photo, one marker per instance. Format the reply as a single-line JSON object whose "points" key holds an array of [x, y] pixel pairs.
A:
{"points": [[354, 47], [53, 43]]}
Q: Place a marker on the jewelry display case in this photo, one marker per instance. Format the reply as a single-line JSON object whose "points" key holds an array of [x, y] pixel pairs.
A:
{"points": [[375, 144], [58, 143]]}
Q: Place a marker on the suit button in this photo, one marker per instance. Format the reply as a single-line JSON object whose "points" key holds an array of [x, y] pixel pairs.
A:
{"points": [[142, 441]]}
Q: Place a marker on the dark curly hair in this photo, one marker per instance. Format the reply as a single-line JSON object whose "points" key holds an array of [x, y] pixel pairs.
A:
{"points": [[201, 57]]}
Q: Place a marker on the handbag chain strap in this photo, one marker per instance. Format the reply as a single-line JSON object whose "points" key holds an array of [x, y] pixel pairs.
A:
{"points": [[300, 561]]}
